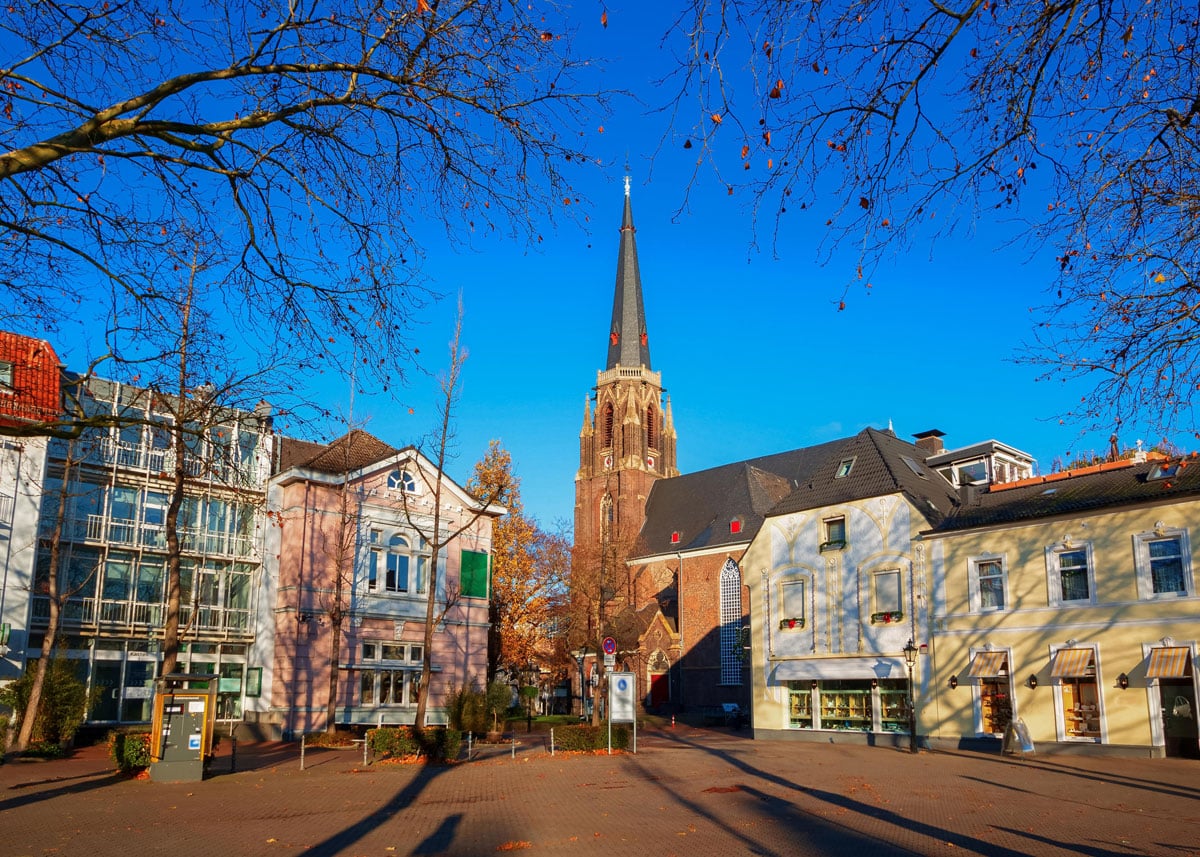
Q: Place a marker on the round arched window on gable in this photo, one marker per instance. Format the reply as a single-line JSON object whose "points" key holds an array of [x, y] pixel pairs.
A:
{"points": [[402, 480]]}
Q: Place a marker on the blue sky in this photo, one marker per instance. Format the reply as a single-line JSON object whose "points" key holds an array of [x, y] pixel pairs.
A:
{"points": [[753, 352], [752, 349]]}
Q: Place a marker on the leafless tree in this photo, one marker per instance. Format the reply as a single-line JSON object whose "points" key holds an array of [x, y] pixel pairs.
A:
{"points": [[435, 529], [57, 588], [308, 145], [1075, 124]]}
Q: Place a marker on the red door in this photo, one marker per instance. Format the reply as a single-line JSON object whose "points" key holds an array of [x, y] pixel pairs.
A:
{"points": [[660, 689]]}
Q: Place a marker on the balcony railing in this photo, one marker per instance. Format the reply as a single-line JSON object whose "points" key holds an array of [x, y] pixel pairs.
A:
{"points": [[140, 617], [138, 456], [192, 540]]}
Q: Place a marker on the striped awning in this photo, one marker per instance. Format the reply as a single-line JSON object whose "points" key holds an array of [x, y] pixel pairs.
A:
{"points": [[987, 664], [1072, 663], [1168, 662]]}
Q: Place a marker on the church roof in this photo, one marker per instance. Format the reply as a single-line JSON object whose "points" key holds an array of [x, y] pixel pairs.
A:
{"points": [[628, 344]]}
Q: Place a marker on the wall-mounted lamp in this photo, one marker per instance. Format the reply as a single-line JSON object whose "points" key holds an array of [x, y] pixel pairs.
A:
{"points": [[1032, 682], [874, 682], [1123, 681], [953, 682], [814, 684]]}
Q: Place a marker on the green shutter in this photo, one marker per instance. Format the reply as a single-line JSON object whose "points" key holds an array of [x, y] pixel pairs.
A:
{"points": [[474, 574]]}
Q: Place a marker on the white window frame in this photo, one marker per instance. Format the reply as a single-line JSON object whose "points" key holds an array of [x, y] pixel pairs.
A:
{"points": [[802, 582], [975, 593], [402, 480], [1141, 558], [976, 683], [1054, 574], [876, 607], [828, 542], [1060, 719], [7, 373]]}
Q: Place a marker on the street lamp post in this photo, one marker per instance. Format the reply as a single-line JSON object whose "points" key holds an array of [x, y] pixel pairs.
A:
{"points": [[910, 658]]}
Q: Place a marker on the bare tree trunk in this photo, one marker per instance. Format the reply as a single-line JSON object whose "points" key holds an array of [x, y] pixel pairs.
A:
{"points": [[171, 635], [55, 597]]}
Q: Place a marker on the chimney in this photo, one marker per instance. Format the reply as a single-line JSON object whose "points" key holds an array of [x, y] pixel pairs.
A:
{"points": [[930, 441]]}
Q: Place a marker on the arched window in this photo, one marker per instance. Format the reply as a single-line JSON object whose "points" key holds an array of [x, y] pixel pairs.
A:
{"points": [[608, 425], [731, 623], [402, 480], [651, 429], [397, 565]]}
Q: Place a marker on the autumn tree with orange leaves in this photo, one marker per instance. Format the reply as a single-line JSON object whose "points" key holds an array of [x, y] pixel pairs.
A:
{"points": [[529, 571], [1073, 125]]}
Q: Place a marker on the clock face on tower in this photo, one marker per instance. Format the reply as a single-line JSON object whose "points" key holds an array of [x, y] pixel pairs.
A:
{"points": [[650, 461], [608, 462]]}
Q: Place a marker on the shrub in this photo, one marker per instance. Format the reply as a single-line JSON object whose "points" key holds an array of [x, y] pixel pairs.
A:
{"points": [[401, 742], [466, 708], [130, 751], [64, 706], [585, 737]]}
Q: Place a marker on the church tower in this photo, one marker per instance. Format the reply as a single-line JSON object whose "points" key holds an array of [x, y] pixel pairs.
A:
{"points": [[628, 436]]}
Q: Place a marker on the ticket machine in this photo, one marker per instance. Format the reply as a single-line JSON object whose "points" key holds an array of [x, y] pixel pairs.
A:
{"points": [[185, 715]]}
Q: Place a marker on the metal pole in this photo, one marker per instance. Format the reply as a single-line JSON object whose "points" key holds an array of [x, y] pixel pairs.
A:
{"points": [[912, 713]]}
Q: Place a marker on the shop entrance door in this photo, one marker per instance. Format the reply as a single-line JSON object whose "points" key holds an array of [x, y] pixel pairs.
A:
{"points": [[1178, 698]]}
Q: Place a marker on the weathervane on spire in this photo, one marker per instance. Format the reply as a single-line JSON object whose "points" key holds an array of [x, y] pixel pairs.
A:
{"points": [[627, 180]]}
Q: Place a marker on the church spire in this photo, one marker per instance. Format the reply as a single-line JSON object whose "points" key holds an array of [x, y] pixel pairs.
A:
{"points": [[627, 341]]}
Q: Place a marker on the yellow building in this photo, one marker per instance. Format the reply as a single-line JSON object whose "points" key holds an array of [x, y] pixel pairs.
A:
{"points": [[1068, 603]]}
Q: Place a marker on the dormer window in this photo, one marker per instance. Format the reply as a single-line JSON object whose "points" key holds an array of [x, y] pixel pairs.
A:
{"points": [[1163, 470], [6, 375], [843, 469], [913, 466]]}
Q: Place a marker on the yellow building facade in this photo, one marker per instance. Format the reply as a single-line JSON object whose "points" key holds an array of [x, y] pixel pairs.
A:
{"points": [[1068, 604]]}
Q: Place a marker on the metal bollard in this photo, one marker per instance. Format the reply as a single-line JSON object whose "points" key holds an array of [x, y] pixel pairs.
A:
{"points": [[302, 752], [551, 740]]}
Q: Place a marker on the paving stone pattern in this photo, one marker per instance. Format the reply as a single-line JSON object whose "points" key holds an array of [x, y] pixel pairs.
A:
{"points": [[686, 792]]}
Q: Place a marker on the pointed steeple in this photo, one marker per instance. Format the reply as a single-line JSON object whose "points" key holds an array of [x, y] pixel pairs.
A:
{"points": [[627, 341]]}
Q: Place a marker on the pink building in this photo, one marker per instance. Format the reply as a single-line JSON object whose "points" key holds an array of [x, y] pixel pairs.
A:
{"points": [[354, 561]]}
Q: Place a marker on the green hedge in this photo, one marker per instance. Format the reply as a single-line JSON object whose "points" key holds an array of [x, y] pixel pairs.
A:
{"points": [[586, 737], [399, 742], [130, 751]]}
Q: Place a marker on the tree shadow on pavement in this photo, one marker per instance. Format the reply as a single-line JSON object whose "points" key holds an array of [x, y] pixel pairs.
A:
{"points": [[1108, 776], [802, 820], [336, 843], [34, 794]]}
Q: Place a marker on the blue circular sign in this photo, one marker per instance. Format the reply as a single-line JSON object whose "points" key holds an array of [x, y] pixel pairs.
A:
{"points": [[610, 646], [622, 684]]}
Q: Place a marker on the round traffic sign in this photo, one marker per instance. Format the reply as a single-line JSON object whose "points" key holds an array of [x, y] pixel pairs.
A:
{"points": [[610, 646]]}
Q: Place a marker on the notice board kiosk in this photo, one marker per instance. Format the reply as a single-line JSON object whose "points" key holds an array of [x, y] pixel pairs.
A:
{"points": [[181, 737]]}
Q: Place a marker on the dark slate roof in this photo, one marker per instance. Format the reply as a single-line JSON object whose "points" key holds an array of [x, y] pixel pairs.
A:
{"points": [[627, 341], [1095, 489], [699, 506], [349, 452], [880, 468]]}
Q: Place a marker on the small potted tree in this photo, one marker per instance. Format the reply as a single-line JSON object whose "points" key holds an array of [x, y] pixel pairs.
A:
{"points": [[499, 695]]}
